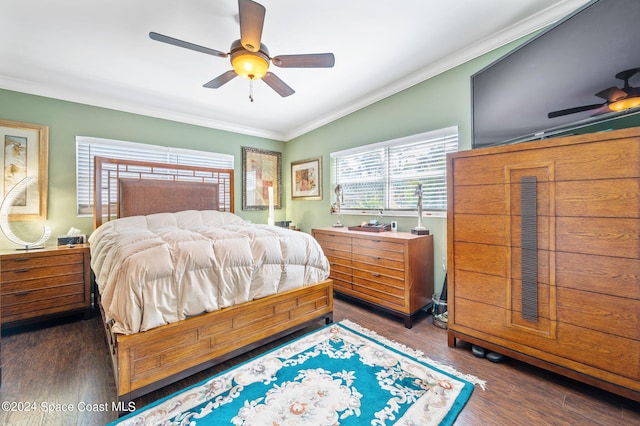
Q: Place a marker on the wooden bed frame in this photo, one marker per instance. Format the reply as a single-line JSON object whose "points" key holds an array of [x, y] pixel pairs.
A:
{"points": [[149, 360]]}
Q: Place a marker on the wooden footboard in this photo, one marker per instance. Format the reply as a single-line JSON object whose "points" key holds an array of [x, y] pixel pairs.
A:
{"points": [[146, 361]]}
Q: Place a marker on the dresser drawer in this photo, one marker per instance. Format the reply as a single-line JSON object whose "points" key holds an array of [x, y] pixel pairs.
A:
{"points": [[378, 244], [379, 259], [391, 284], [332, 241], [339, 255]]}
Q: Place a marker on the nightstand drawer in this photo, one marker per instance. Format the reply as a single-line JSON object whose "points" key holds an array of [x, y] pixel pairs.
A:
{"points": [[38, 273], [26, 262], [33, 285], [43, 298]]}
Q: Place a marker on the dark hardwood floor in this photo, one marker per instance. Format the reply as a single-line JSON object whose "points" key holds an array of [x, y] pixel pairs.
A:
{"points": [[66, 366]]}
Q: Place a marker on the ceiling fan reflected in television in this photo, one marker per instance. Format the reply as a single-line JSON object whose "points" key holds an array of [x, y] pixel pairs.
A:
{"points": [[616, 99], [250, 57]]}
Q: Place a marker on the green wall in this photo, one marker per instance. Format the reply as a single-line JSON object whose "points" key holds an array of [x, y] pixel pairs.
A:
{"points": [[66, 120]]}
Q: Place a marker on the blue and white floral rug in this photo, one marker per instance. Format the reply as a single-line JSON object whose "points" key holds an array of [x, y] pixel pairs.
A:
{"points": [[340, 374]]}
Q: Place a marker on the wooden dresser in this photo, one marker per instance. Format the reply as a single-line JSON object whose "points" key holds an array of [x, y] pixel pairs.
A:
{"points": [[390, 270], [43, 282], [544, 255]]}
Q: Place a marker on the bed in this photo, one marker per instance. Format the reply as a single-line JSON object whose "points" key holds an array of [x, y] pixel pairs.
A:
{"points": [[162, 208]]}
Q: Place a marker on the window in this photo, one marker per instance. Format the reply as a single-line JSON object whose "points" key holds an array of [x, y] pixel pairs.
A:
{"points": [[384, 176], [87, 148]]}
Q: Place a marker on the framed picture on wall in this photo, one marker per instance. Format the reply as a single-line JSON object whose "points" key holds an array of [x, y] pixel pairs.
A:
{"points": [[25, 153], [261, 170], [306, 179]]}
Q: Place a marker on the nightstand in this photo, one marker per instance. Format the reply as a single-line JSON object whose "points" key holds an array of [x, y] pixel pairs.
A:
{"points": [[42, 283]]}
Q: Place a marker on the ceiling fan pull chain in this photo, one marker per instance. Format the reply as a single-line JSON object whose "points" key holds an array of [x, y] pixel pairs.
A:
{"points": [[251, 90]]}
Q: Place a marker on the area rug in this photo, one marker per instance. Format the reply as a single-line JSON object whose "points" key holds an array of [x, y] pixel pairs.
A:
{"points": [[341, 374]]}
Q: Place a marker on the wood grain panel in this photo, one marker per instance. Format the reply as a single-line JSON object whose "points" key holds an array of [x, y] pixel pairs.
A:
{"points": [[37, 260], [613, 236], [489, 289], [388, 283], [377, 293], [574, 159], [599, 198], [10, 288], [485, 229], [483, 258], [334, 242], [377, 261], [48, 302], [378, 272], [479, 199], [589, 351], [338, 254], [615, 276], [377, 253], [618, 316], [38, 273], [375, 244]]}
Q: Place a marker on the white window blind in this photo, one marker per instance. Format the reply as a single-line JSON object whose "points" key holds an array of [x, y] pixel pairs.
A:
{"points": [[384, 176], [88, 147]]}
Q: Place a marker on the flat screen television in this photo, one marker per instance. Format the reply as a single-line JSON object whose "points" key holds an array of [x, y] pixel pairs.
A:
{"points": [[563, 67]]}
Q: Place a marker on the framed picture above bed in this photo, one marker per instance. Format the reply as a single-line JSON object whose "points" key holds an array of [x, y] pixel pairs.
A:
{"points": [[306, 179], [25, 153], [261, 170]]}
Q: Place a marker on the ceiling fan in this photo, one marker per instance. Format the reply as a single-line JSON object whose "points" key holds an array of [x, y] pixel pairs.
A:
{"points": [[616, 99], [250, 57]]}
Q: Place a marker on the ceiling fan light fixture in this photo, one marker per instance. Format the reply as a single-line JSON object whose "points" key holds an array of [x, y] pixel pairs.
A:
{"points": [[626, 103], [250, 65]]}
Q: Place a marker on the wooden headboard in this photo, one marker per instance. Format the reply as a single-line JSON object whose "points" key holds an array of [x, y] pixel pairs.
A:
{"points": [[127, 188]]}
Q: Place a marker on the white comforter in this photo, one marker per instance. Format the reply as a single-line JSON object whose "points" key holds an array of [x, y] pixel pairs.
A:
{"points": [[157, 269]]}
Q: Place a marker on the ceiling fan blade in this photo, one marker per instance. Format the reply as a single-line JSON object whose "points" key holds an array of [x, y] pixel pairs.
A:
{"points": [[612, 94], [221, 79], [278, 85], [251, 22], [313, 60], [186, 45], [573, 110]]}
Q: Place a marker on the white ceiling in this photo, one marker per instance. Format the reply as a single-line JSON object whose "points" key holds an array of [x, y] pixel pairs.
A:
{"points": [[98, 52]]}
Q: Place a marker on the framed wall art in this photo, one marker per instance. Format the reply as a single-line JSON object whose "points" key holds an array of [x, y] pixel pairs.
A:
{"points": [[25, 153], [306, 179], [261, 170]]}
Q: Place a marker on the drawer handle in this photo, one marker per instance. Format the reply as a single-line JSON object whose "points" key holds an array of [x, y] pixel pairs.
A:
{"points": [[22, 259], [375, 275], [19, 271], [22, 293]]}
